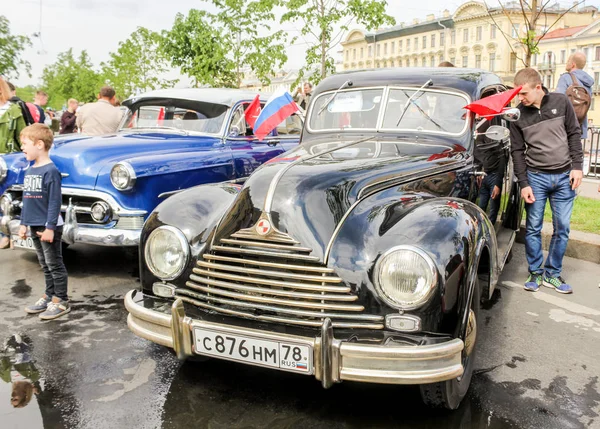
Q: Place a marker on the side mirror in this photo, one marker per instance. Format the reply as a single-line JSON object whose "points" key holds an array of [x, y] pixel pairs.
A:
{"points": [[234, 131], [496, 133], [511, 115]]}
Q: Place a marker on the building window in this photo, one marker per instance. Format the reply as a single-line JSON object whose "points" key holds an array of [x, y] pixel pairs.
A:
{"points": [[493, 28], [442, 38], [592, 104], [466, 35], [534, 60], [515, 31], [362, 53], [453, 60], [586, 52], [353, 54], [370, 48], [400, 46], [479, 33], [492, 66], [399, 63], [478, 61], [453, 37], [465, 61], [407, 63], [433, 40], [432, 62], [573, 51], [596, 80], [416, 43], [393, 48], [441, 58], [424, 42], [347, 54], [408, 44], [597, 54], [385, 49], [513, 62], [424, 62], [563, 56], [392, 63], [378, 50]]}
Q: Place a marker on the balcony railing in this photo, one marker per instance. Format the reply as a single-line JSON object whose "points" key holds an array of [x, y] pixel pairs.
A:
{"points": [[546, 66]]}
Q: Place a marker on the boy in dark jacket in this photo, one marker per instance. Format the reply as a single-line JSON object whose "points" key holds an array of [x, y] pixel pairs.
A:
{"points": [[548, 160], [41, 213]]}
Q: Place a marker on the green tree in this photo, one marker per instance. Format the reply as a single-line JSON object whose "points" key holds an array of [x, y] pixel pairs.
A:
{"points": [[11, 51], [217, 48], [324, 23], [70, 77], [137, 65]]}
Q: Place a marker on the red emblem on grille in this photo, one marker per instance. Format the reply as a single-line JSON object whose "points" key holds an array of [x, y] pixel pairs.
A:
{"points": [[263, 227]]}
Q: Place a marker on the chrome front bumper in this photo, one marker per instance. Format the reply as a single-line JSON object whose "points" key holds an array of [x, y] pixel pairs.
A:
{"points": [[334, 360], [83, 234]]}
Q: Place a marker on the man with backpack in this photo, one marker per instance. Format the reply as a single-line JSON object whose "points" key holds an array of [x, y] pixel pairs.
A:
{"points": [[16, 100], [577, 86]]}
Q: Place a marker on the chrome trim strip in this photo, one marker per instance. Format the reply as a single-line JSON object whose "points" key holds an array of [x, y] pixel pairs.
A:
{"points": [[116, 207], [276, 283], [267, 273], [362, 195], [270, 300], [266, 291], [265, 245], [264, 253], [307, 313], [276, 237], [309, 268]]}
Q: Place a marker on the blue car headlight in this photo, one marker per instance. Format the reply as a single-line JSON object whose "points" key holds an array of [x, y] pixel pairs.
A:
{"points": [[122, 176], [405, 277]]}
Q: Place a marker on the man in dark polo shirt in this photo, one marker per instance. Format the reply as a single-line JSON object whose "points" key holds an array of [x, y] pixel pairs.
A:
{"points": [[68, 118]]}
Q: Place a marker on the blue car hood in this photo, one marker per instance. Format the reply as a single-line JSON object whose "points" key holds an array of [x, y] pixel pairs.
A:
{"points": [[81, 161]]}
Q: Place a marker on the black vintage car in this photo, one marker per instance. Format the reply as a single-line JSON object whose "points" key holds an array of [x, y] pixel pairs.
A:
{"points": [[360, 255]]}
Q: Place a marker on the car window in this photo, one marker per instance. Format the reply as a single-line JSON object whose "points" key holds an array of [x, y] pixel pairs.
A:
{"points": [[292, 125], [148, 117], [355, 109]]}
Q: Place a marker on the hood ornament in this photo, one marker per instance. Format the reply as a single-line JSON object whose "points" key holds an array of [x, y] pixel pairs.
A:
{"points": [[263, 227]]}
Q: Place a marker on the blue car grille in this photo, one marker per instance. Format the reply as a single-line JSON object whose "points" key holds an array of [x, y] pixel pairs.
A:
{"points": [[273, 279]]}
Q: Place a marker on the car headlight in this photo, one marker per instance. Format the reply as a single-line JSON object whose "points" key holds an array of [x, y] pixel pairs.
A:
{"points": [[122, 176], [166, 252], [6, 204], [3, 169], [405, 277]]}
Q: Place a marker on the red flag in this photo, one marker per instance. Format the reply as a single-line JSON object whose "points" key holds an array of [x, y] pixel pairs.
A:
{"points": [[161, 116], [494, 104], [253, 111]]}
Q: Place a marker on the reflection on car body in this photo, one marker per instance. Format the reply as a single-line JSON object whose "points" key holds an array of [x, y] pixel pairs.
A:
{"points": [[362, 249]]}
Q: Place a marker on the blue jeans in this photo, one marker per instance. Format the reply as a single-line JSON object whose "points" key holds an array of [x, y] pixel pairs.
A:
{"points": [[485, 196], [557, 189], [50, 258]]}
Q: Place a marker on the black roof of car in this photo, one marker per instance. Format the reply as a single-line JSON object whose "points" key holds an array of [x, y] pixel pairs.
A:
{"points": [[470, 81], [223, 96]]}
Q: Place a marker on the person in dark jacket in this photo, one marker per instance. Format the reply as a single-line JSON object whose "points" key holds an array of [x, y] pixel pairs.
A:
{"points": [[548, 162], [575, 65], [68, 118]]}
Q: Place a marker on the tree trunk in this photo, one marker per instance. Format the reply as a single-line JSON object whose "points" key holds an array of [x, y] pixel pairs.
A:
{"points": [[323, 43], [533, 21]]}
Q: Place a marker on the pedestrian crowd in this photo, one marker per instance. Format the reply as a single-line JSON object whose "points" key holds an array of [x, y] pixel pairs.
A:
{"points": [[545, 145]]}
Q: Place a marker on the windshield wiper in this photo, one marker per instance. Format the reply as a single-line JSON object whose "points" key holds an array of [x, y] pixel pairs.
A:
{"points": [[347, 83], [405, 108], [424, 114]]}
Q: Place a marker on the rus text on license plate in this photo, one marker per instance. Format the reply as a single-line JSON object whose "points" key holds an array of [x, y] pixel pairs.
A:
{"points": [[288, 356], [23, 244]]}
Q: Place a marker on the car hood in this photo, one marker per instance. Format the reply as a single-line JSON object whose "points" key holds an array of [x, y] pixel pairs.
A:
{"points": [[81, 161], [310, 199]]}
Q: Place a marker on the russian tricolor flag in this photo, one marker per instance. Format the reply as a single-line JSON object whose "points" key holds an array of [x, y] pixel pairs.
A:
{"points": [[278, 107]]}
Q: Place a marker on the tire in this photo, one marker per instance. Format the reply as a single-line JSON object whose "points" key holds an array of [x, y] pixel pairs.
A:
{"points": [[449, 394]]}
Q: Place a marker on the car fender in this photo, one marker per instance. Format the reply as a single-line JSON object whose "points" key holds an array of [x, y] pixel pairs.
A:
{"points": [[454, 232], [196, 212]]}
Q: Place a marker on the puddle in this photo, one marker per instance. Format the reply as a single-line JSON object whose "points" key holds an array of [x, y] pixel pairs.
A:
{"points": [[21, 289]]}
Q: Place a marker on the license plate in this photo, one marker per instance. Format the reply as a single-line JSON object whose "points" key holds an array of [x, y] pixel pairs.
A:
{"points": [[23, 244], [284, 355]]}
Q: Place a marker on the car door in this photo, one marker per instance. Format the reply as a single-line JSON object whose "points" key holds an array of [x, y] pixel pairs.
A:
{"points": [[248, 152]]}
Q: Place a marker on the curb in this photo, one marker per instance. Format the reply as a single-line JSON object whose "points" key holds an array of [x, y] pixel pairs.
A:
{"points": [[582, 245]]}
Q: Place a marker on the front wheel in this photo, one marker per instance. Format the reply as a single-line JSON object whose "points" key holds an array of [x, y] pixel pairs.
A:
{"points": [[449, 393]]}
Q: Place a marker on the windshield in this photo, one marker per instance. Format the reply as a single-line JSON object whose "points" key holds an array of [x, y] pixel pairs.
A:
{"points": [[179, 118], [429, 111]]}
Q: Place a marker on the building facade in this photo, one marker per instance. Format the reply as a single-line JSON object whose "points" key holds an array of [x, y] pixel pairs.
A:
{"points": [[471, 37]]}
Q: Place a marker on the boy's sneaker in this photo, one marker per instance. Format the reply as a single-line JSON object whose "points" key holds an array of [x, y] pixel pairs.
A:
{"points": [[55, 309], [558, 284], [39, 306], [533, 283]]}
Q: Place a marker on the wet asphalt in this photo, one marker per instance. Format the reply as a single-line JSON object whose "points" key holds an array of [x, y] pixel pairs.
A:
{"points": [[537, 365]]}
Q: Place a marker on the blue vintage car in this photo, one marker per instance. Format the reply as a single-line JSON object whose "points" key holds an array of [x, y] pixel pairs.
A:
{"points": [[170, 140]]}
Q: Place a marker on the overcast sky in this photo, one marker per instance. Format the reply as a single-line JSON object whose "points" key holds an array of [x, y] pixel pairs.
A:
{"points": [[99, 25]]}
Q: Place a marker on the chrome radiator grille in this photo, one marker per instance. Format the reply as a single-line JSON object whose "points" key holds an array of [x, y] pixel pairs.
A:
{"points": [[273, 279]]}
